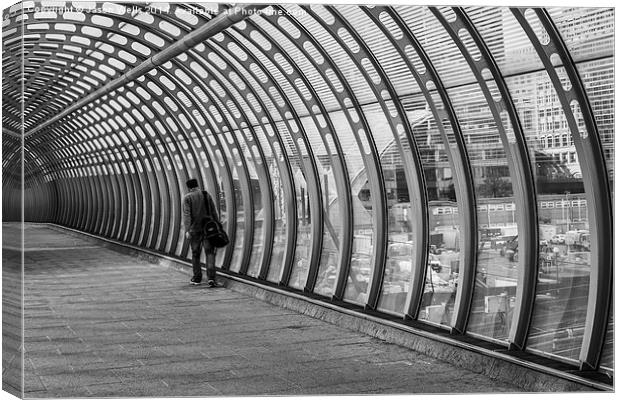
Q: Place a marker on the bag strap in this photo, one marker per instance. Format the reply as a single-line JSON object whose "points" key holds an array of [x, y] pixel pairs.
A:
{"points": [[207, 202]]}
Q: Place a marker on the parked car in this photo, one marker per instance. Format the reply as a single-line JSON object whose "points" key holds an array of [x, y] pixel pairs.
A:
{"points": [[560, 238]]}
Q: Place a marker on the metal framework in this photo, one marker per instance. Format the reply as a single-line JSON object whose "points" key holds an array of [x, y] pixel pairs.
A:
{"points": [[402, 160]]}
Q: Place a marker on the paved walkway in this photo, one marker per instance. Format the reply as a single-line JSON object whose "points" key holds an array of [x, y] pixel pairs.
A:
{"points": [[99, 323]]}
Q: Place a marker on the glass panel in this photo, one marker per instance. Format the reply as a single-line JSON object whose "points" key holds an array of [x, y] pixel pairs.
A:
{"points": [[444, 54], [588, 32], [505, 38], [280, 213], [598, 79], [146, 175], [496, 279], [400, 236], [398, 268], [220, 200], [257, 188], [444, 221], [175, 206], [359, 273], [564, 252], [234, 163], [332, 232], [303, 250]]}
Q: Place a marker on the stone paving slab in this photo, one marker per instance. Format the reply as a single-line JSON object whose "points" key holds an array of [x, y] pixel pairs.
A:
{"points": [[102, 324], [11, 314]]}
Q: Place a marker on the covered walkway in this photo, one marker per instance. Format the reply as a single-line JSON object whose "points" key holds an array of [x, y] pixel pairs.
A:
{"points": [[100, 323], [438, 177]]}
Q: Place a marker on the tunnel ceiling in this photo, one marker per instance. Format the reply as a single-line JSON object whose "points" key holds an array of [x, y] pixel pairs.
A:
{"points": [[328, 130]]}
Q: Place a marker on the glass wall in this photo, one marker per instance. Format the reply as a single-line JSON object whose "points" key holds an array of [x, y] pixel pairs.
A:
{"points": [[562, 217]]}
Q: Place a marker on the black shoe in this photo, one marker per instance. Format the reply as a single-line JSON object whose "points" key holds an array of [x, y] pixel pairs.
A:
{"points": [[211, 283], [195, 281]]}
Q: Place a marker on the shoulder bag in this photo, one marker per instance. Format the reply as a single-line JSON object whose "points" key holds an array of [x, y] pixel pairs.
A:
{"points": [[213, 230]]}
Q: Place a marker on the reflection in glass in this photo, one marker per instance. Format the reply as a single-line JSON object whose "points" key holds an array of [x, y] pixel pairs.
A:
{"points": [[496, 273], [587, 32], [237, 253], [564, 257], [302, 248], [564, 248], [257, 186], [398, 269], [328, 267], [304, 235], [221, 201], [280, 213], [359, 273], [443, 212], [332, 229], [598, 79]]}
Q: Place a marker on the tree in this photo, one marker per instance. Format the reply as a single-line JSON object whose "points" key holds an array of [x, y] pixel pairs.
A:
{"points": [[494, 186]]}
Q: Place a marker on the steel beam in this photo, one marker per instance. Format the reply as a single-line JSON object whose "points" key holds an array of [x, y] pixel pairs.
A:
{"points": [[11, 133]]}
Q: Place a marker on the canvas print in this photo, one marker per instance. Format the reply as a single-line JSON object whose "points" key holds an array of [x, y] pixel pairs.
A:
{"points": [[221, 199]]}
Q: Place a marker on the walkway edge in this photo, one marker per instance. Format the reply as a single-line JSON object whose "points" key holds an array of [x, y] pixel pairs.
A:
{"points": [[492, 363]]}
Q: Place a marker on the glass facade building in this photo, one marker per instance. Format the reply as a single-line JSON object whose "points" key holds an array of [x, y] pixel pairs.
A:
{"points": [[450, 167]]}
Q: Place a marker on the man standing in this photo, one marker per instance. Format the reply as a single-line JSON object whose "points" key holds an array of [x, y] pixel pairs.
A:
{"points": [[196, 210]]}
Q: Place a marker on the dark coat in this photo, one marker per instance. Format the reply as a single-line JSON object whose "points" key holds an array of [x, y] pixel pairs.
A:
{"points": [[195, 210]]}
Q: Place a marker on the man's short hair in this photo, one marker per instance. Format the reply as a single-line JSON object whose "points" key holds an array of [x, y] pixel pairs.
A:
{"points": [[192, 183]]}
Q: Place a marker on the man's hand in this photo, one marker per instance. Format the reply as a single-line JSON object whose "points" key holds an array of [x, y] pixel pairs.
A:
{"points": [[187, 235]]}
